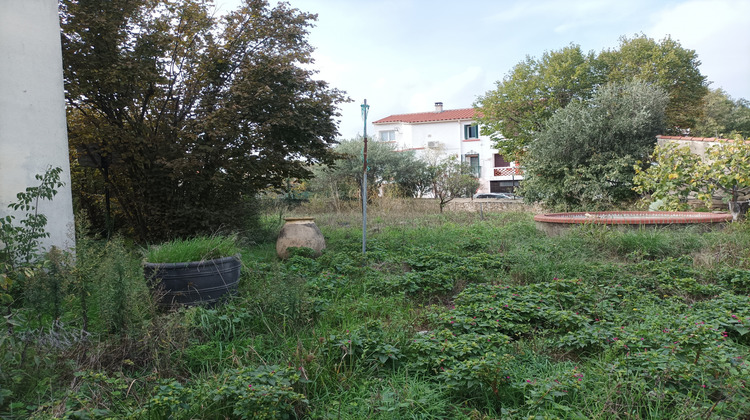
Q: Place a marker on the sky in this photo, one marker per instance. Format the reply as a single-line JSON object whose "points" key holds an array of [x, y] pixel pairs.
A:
{"points": [[405, 55]]}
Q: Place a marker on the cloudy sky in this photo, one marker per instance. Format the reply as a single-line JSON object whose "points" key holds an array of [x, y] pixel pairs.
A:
{"points": [[404, 55]]}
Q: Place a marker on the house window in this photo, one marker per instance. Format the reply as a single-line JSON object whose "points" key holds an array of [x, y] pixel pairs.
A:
{"points": [[471, 131], [473, 161], [500, 161], [388, 135]]}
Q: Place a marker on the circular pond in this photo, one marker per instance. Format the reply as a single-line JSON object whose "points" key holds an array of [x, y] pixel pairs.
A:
{"points": [[556, 223]]}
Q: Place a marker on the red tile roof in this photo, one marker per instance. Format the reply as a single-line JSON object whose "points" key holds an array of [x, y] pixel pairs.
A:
{"points": [[421, 117]]}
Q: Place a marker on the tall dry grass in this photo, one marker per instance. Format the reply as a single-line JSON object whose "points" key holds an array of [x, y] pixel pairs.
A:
{"points": [[411, 212]]}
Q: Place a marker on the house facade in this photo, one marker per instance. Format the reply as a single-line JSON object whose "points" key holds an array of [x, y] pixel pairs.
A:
{"points": [[451, 132]]}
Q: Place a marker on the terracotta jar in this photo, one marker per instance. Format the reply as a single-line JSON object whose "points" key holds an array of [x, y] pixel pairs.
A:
{"points": [[299, 232]]}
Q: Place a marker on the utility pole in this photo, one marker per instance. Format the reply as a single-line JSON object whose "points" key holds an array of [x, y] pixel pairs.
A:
{"points": [[365, 108]]}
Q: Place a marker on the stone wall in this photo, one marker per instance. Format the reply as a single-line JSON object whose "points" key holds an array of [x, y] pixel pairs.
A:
{"points": [[492, 206]]}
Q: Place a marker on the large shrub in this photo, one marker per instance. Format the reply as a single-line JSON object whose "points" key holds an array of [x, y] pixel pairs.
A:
{"points": [[584, 157]]}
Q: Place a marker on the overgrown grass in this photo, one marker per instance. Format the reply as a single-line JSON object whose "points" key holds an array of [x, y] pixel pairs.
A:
{"points": [[199, 248], [447, 316]]}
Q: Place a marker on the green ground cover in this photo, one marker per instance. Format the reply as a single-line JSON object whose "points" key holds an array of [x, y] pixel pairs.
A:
{"points": [[447, 316]]}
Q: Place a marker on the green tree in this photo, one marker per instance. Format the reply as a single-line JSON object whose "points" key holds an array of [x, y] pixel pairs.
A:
{"points": [[189, 114], [670, 178], [668, 65], [723, 116], [386, 166], [531, 93], [517, 109], [584, 157], [451, 179], [727, 171], [676, 173]]}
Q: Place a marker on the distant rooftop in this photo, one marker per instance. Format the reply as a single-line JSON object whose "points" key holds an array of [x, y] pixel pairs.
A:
{"points": [[422, 117]]}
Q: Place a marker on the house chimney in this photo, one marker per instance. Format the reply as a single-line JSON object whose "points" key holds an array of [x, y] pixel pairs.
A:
{"points": [[438, 107]]}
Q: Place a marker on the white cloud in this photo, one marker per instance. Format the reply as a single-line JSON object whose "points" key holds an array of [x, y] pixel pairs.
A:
{"points": [[330, 69], [455, 91], [718, 31], [567, 14]]}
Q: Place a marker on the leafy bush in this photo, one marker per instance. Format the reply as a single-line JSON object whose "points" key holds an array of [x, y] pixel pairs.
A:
{"points": [[735, 278], [462, 361], [265, 392], [584, 157], [367, 344], [518, 310], [431, 273], [21, 242], [677, 172], [403, 395]]}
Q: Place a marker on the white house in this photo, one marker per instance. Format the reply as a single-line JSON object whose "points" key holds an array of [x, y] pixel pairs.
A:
{"points": [[451, 132]]}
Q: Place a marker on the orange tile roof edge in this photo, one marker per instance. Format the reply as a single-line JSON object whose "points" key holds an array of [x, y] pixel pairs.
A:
{"points": [[421, 117]]}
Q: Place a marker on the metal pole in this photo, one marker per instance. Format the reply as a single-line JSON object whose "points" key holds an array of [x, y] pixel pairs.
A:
{"points": [[107, 198], [365, 108]]}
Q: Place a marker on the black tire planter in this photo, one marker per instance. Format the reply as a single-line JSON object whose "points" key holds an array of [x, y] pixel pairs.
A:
{"points": [[194, 283]]}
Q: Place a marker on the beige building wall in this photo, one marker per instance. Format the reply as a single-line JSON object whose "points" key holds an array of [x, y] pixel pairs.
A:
{"points": [[698, 147]]}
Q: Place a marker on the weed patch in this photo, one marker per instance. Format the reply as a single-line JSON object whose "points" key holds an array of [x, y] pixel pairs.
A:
{"points": [[445, 316]]}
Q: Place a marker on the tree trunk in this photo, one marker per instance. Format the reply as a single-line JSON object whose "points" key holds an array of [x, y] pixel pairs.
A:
{"points": [[738, 209]]}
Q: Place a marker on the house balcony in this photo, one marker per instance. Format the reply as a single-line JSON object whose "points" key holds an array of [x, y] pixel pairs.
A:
{"points": [[507, 171]]}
